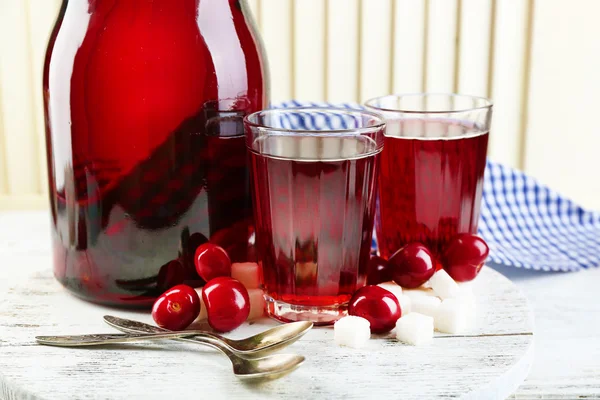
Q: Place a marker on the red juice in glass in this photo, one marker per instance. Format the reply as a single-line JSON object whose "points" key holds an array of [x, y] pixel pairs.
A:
{"points": [[314, 207], [432, 168]]}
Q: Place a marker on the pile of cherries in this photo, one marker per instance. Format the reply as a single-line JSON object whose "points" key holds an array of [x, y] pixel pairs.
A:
{"points": [[410, 267], [226, 299]]}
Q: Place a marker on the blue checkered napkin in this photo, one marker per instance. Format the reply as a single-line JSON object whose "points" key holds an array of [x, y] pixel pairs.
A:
{"points": [[526, 224]]}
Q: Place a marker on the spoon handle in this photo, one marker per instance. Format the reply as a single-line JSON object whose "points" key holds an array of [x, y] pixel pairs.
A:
{"points": [[110, 338], [131, 326]]}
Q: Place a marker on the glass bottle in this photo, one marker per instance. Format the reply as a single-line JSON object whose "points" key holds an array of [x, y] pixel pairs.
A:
{"points": [[144, 101]]}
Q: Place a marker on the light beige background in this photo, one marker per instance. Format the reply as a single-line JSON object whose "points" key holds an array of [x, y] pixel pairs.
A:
{"points": [[539, 60]]}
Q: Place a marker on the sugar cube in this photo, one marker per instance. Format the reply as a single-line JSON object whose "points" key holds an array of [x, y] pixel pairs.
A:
{"points": [[351, 331], [414, 329], [426, 305], [468, 299], [203, 315], [392, 287], [466, 287], [248, 273], [419, 292], [405, 304], [443, 285], [454, 316], [257, 303]]}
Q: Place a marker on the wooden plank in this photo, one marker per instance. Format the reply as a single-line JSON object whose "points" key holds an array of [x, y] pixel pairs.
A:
{"points": [[409, 46], [20, 140], [490, 367], [441, 45], [277, 30], [562, 139], [562, 331], [309, 50], [42, 16], [342, 50], [566, 328], [508, 78], [376, 42], [474, 47]]}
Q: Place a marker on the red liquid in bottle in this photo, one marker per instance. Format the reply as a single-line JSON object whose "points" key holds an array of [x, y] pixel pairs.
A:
{"points": [[314, 218], [144, 103], [430, 188]]}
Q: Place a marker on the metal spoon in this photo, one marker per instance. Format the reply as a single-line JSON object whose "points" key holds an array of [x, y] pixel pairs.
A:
{"points": [[259, 345], [270, 367]]}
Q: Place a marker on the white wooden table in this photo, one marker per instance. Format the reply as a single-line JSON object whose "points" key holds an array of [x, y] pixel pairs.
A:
{"points": [[567, 332]]}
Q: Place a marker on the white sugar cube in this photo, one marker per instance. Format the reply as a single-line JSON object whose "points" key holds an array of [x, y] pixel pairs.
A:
{"points": [[257, 303], [465, 291], [443, 285], [248, 273], [426, 285], [454, 315], [392, 287], [203, 315], [405, 304], [414, 329], [419, 292], [426, 305], [351, 331], [466, 294], [466, 287]]}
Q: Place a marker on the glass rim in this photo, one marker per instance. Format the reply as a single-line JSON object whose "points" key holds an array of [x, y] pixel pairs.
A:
{"points": [[487, 103], [380, 124]]}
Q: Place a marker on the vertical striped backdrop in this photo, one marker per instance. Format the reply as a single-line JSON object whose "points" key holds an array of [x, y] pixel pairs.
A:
{"points": [[538, 59]]}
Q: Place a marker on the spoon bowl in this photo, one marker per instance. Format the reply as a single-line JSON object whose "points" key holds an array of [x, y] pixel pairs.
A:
{"points": [[266, 368]]}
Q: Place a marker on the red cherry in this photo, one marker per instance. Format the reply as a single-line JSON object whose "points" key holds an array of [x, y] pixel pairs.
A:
{"points": [[377, 305], [464, 256], [412, 265], [227, 303], [378, 271], [176, 308], [212, 261]]}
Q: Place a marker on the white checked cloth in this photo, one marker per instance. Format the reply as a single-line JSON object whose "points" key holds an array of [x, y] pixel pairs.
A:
{"points": [[526, 224]]}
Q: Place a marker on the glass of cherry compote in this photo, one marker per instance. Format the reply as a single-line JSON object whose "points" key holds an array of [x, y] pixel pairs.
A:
{"points": [[432, 167], [314, 175]]}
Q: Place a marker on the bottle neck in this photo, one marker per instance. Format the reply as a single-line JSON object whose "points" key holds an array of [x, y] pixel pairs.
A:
{"points": [[92, 5]]}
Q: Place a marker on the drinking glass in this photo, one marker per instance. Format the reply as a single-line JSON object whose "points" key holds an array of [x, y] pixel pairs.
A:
{"points": [[314, 176], [432, 167]]}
